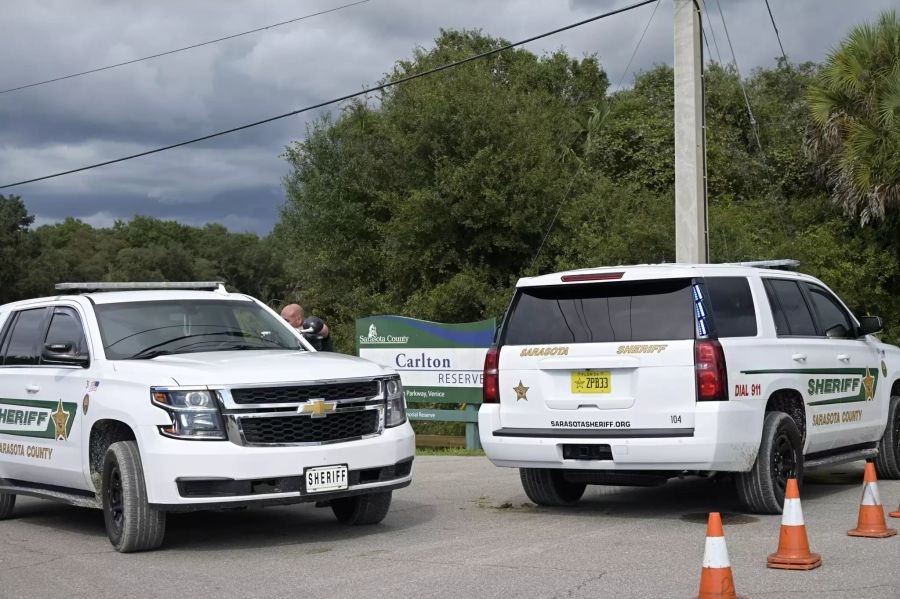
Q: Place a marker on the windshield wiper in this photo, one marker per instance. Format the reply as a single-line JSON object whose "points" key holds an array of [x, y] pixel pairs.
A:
{"points": [[149, 353]]}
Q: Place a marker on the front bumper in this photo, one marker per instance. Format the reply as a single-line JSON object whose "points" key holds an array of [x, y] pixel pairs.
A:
{"points": [[175, 470], [725, 437]]}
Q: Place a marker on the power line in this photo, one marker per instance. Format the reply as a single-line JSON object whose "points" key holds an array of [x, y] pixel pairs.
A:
{"points": [[176, 50], [712, 31], [580, 169], [740, 79], [638, 45], [775, 27], [369, 90]]}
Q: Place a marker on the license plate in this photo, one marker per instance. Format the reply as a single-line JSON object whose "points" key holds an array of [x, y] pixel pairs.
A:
{"points": [[325, 478], [591, 381]]}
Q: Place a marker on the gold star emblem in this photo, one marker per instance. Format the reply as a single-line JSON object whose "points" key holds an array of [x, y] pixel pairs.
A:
{"points": [[521, 390], [60, 421], [869, 384]]}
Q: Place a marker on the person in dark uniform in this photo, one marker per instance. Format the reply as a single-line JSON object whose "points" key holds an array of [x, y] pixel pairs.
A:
{"points": [[312, 328]]}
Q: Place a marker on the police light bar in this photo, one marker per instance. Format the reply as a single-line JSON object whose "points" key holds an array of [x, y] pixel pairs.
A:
{"points": [[87, 287], [785, 263], [603, 276]]}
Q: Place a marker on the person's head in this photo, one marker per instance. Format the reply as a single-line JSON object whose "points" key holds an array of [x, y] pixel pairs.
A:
{"points": [[293, 314]]}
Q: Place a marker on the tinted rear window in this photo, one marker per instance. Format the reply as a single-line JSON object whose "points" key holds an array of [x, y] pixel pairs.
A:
{"points": [[732, 306], [602, 312]]}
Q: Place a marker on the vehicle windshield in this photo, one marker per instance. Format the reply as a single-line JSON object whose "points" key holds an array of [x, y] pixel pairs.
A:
{"points": [[144, 330]]}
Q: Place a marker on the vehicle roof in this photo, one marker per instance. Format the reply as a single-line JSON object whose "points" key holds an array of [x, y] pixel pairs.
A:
{"points": [[113, 297], [644, 272]]}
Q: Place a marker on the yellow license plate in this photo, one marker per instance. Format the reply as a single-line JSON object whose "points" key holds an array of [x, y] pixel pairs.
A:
{"points": [[591, 381]]}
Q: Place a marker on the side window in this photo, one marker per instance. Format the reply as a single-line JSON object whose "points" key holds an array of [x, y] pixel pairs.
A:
{"points": [[732, 306], [795, 318], [65, 327], [23, 341], [829, 310]]}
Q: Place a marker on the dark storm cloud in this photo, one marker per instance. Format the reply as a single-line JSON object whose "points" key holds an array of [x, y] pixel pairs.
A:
{"points": [[235, 180]]}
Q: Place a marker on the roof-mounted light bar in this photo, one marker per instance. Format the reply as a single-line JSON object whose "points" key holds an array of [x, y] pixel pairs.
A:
{"points": [[787, 263], [105, 286], [603, 276]]}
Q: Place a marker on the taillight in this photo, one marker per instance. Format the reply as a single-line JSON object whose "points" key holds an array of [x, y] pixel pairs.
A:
{"points": [[491, 375], [709, 364]]}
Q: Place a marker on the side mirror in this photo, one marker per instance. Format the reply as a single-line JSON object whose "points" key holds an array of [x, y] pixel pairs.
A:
{"points": [[63, 353], [838, 331], [870, 324]]}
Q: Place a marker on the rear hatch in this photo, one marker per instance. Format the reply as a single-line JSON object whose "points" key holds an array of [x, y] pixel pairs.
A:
{"points": [[616, 355]]}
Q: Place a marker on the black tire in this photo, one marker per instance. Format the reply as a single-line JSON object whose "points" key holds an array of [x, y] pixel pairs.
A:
{"points": [[7, 502], [131, 524], [887, 464], [362, 509], [545, 486], [780, 457]]}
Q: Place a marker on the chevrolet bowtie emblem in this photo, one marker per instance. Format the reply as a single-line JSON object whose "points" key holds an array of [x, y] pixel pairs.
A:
{"points": [[317, 408]]}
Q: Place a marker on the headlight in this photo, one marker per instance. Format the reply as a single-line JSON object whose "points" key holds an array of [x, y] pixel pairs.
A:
{"points": [[396, 404], [195, 414]]}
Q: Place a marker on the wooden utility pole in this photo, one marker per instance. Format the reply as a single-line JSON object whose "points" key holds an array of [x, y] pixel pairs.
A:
{"points": [[690, 147]]}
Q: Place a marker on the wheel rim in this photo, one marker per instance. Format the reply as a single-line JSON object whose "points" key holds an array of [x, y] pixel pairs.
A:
{"points": [[115, 512], [784, 462]]}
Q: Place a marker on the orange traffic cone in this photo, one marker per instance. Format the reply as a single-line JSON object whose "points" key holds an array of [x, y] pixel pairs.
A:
{"points": [[715, 578], [793, 546], [895, 514], [871, 514]]}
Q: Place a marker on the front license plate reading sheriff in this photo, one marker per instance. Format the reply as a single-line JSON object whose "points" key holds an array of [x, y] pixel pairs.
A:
{"points": [[591, 381], [325, 478]]}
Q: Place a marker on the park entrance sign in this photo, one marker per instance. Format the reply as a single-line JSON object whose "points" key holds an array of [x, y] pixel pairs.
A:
{"points": [[438, 363]]}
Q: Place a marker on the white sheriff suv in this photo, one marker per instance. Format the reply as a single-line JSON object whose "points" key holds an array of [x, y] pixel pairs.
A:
{"points": [[636, 374], [142, 399]]}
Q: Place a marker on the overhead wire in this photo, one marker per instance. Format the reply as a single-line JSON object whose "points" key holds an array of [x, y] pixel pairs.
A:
{"points": [[740, 79], [182, 49], [363, 92], [580, 169], [777, 35], [712, 32]]}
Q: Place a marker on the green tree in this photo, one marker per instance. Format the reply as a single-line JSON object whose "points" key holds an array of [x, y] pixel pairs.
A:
{"points": [[14, 238], [855, 107]]}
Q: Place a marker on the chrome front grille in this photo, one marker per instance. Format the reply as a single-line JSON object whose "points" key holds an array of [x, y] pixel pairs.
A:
{"points": [[303, 413]]}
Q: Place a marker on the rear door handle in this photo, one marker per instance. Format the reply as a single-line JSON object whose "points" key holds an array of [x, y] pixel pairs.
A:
{"points": [[844, 357], [799, 357], [32, 388]]}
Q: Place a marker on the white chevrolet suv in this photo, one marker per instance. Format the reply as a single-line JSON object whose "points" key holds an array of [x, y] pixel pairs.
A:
{"points": [[178, 397], [636, 374]]}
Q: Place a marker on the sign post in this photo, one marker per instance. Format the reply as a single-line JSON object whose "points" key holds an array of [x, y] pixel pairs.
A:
{"points": [[438, 364]]}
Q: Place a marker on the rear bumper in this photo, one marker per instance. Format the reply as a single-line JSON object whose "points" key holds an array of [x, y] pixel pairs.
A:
{"points": [[725, 437]]}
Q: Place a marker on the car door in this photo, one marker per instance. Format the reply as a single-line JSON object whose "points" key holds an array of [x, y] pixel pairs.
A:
{"points": [[800, 355], [39, 407], [844, 398]]}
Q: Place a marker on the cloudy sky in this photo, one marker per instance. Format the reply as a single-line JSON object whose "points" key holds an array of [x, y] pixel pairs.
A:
{"points": [[236, 180]]}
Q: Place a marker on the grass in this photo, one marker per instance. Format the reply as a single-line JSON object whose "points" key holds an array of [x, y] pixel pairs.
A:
{"points": [[445, 451]]}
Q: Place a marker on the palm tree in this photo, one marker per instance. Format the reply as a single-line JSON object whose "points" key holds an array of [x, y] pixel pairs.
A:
{"points": [[855, 107]]}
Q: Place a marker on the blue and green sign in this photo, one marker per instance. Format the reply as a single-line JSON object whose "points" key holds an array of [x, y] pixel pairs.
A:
{"points": [[438, 363]]}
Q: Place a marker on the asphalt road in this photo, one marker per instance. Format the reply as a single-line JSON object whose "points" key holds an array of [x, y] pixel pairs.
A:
{"points": [[463, 529]]}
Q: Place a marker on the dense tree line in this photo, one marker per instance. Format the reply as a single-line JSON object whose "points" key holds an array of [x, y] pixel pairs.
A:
{"points": [[433, 198]]}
